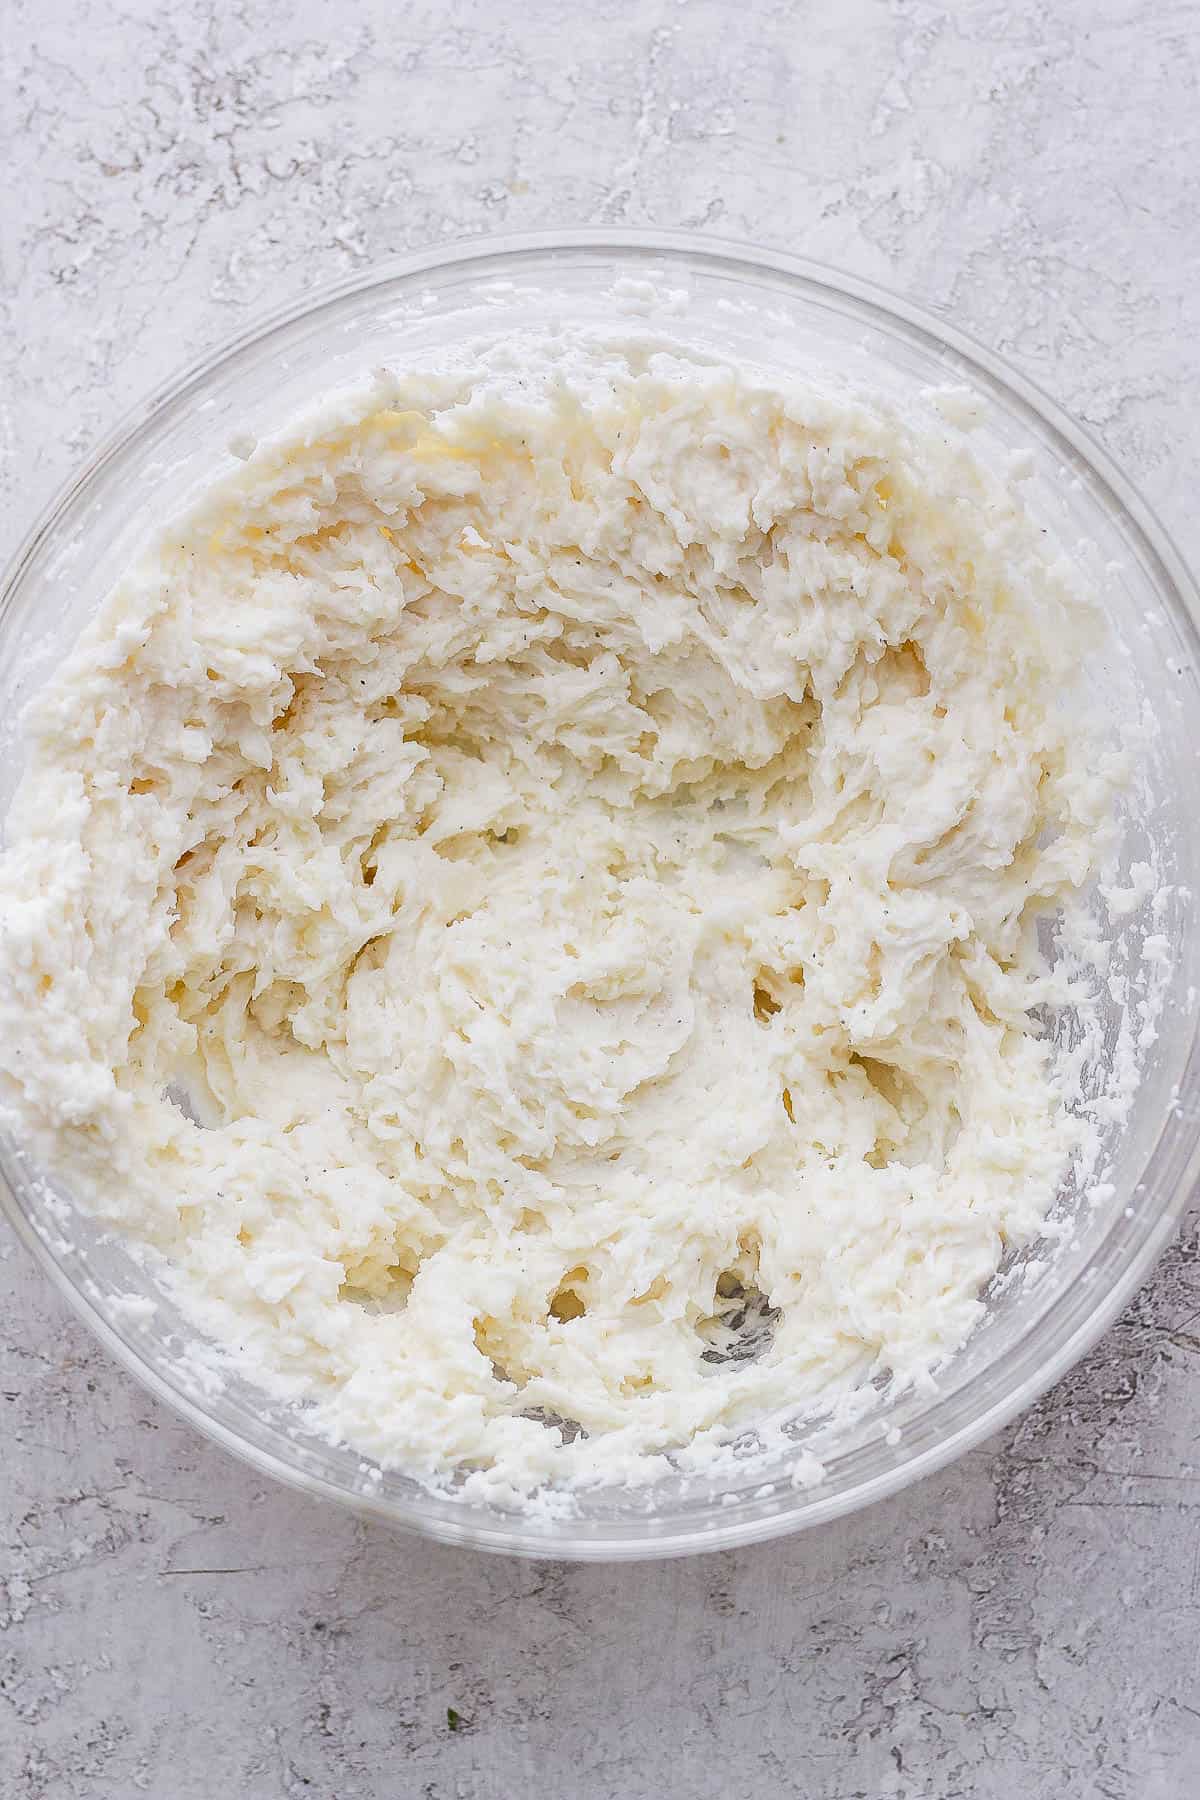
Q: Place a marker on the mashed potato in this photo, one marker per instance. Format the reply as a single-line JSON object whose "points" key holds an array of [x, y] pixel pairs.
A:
{"points": [[526, 898]]}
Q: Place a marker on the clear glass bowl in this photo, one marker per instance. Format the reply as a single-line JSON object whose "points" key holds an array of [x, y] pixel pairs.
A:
{"points": [[750, 305]]}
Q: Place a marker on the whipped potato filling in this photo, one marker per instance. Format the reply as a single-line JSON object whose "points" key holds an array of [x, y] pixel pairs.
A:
{"points": [[527, 898]]}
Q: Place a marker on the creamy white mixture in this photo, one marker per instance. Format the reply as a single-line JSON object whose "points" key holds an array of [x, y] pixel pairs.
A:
{"points": [[527, 898]]}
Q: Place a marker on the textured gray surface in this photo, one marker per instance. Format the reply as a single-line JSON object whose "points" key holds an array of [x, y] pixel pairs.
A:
{"points": [[1026, 1624]]}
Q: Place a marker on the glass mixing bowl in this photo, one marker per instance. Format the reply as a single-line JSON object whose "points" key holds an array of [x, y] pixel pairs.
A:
{"points": [[766, 308]]}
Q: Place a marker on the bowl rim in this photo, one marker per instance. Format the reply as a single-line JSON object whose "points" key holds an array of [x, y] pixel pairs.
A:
{"points": [[1178, 1140]]}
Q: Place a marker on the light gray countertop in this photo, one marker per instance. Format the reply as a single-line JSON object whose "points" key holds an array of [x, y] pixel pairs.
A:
{"points": [[1026, 1624]]}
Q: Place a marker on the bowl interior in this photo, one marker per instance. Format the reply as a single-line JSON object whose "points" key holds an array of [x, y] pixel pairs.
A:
{"points": [[1050, 1303]]}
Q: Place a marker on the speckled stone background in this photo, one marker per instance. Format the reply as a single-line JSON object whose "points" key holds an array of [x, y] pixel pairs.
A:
{"points": [[1025, 1626]]}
